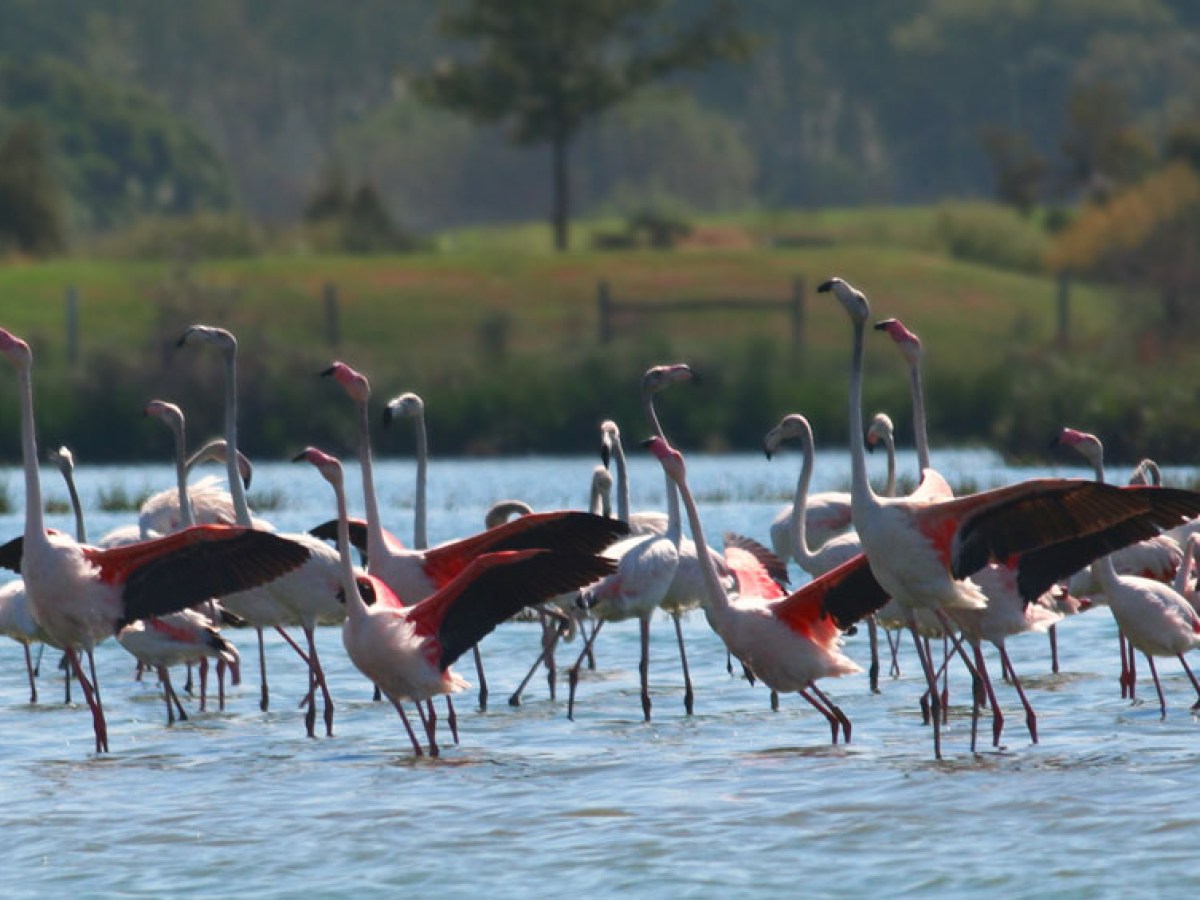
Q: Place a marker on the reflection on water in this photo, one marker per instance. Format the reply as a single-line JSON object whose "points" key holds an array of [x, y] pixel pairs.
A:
{"points": [[736, 799]]}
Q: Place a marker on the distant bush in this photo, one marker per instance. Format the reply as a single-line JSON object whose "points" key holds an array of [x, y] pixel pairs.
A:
{"points": [[196, 237], [345, 220], [989, 235]]}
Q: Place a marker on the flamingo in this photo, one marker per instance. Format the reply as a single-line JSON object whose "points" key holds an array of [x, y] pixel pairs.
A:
{"points": [[183, 637], [840, 548], [81, 594], [1155, 618], [408, 650], [1158, 556], [922, 550], [789, 643], [306, 595]]}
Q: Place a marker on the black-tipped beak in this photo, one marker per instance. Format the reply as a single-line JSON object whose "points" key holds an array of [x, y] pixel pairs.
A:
{"points": [[183, 338], [328, 371], [645, 444], [767, 451], [825, 287], [1055, 441], [299, 457], [696, 379], [883, 324]]}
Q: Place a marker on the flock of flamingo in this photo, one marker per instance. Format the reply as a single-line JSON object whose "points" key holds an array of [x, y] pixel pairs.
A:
{"points": [[968, 570]]}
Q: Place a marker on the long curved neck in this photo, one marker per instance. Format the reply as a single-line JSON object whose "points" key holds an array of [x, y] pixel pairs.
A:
{"points": [[718, 599], [186, 519], [355, 608], [1098, 467], [920, 423], [1106, 575], [672, 498], [420, 541], [237, 491], [800, 506], [35, 524], [1184, 575], [622, 480], [674, 519], [860, 487], [889, 443], [375, 542], [76, 506]]}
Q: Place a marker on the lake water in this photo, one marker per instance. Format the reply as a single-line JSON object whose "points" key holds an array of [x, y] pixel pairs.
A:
{"points": [[736, 800]]}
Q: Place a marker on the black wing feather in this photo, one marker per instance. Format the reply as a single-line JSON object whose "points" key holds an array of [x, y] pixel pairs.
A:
{"points": [[854, 594], [10, 554]]}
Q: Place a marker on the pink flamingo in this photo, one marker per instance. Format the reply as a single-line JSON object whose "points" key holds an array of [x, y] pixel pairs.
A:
{"points": [[81, 595], [408, 650]]}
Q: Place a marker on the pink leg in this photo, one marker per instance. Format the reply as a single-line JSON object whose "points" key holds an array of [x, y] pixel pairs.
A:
{"points": [[99, 725], [1192, 677], [547, 648], [573, 673], [997, 715], [833, 708], [894, 645], [451, 718], [644, 665], [221, 684], [829, 716], [429, 720], [203, 683], [412, 736], [33, 698], [1162, 701], [483, 688], [688, 696], [319, 677], [935, 713], [1030, 715]]}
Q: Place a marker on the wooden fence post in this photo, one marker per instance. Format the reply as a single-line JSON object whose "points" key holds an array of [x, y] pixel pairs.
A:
{"points": [[72, 324], [1064, 309], [604, 312], [332, 324]]}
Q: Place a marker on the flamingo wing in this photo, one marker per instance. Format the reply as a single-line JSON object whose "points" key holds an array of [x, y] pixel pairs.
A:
{"points": [[10, 554], [849, 592], [774, 567], [1084, 517], [495, 587], [569, 531], [327, 531], [193, 565]]}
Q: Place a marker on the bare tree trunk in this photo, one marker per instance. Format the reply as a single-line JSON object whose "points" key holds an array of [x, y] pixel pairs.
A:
{"points": [[562, 195]]}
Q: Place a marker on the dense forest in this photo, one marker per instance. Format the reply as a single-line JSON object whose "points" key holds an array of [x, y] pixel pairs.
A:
{"points": [[176, 107]]}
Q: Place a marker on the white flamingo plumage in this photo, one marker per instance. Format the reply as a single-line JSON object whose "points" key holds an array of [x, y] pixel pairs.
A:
{"points": [[82, 595], [408, 650]]}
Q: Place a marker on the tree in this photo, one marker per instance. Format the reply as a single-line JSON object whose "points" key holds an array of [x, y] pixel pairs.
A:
{"points": [[31, 218], [546, 67]]}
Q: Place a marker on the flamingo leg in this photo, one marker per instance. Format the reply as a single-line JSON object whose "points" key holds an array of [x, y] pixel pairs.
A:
{"points": [[1053, 649], [829, 716], [873, 639], [1195, 683], [37, 663], [412, 735], [946, 677], [189, 686], [552, 632], [515, 699], [65, 665], [451, 717], [1162, 701], [835, 709], [95, 681], [99, 725], [203, 683], [483, 688], [997, 715], [264, 701], [931, 682], [377, 695], [1030, 715], [319, 680], [644, 664], [429, 720], [1126, 678], [688, 696], [221, 685], [774, 700], [33, 697], [573, 673], [165, 676], [550, 635], [893, 640]]}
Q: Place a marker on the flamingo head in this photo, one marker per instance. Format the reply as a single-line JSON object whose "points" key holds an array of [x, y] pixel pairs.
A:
{"points": [[670, 458], [791, 427], [15, 349], [658, 378], [354, 383], [602, 482], [880, 430], [63, 458], [329, 466], [217, 450], [503, 510], [407, 405], [1086, 445], [852, 299], [1148, 473], [610, 437], [909, 343], [165, 412], [220, 338]]}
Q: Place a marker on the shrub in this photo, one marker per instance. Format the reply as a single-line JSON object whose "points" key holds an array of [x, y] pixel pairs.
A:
{"points": [[989, 235]]}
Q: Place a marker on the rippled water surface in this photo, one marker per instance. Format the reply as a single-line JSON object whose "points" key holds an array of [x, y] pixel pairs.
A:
{"points": [[736, 800]]}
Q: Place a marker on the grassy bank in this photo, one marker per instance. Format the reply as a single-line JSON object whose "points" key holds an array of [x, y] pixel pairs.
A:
{"points": [[501, 339]]}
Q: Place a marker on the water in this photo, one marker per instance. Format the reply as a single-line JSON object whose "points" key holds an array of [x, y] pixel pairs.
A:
{"points": [[736, 800]]}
